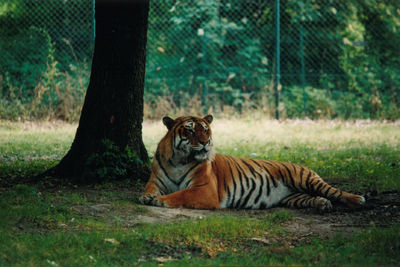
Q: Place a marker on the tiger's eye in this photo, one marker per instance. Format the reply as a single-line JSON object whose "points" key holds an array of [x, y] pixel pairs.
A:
{"points": [[189, 131]]}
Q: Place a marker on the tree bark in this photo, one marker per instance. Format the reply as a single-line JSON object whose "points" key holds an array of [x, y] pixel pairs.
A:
{"points": [[113, 106]]}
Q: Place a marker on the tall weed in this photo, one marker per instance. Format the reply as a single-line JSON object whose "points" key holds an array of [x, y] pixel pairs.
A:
{"points": [[57, 95]]}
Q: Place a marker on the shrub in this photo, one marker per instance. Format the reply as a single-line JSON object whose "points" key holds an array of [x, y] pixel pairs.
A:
{"points": [[112, 162]]}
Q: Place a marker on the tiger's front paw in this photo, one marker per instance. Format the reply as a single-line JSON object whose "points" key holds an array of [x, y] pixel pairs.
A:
{"points": [[147, 199], [159, 202]]}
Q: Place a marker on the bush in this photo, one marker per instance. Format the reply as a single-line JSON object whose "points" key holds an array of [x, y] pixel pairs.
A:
{"points": [[111, 163], [34, 45], [56, 95], [329, 104]]}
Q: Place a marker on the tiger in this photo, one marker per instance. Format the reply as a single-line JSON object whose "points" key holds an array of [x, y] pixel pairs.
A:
{"points": [[187, 173]]}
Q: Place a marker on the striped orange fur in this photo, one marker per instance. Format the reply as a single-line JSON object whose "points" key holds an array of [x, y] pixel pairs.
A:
{"points": [[187, 173]]}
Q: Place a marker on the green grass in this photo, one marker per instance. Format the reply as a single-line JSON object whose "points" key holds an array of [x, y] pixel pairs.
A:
{"points": [[40, 228], [212, 230], [372, 247], [43, 227], [29, 149]]}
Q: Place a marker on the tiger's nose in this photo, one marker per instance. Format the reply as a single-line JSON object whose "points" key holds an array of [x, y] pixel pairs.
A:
{"points": [[203, 142]]}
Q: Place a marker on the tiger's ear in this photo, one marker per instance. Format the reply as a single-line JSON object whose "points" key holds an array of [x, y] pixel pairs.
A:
{"points": [[168, 122], [208, 118]]}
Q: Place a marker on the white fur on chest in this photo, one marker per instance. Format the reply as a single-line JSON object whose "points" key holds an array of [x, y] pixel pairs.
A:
{"points": [[177, 178]]}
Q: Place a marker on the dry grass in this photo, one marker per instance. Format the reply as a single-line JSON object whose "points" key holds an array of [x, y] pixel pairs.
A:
{"points": [[235, 132], [166, 105], [271, 134]]}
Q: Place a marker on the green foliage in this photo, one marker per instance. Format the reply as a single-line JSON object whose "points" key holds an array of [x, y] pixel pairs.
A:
{"points": [[25, 60], [111, 163], [227, 48], [51, 95], [43, 69], [213, 46], [69, 27], [221, 51]]}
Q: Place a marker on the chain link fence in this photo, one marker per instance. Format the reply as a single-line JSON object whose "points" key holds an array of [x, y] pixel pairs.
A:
{"points": [[33, 33], [46, 49], [219, 52], [336, 59]]}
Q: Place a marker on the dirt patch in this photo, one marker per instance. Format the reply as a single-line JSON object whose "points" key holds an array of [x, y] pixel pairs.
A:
{"points": [[382, 210], [156, 214], [100, 210]]}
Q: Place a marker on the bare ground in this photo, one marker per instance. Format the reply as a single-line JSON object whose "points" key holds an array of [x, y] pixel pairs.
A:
{"points": [[382, 210]]}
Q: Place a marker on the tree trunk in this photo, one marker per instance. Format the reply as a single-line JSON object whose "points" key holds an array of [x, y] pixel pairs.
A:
{"points": [[113, 106]]}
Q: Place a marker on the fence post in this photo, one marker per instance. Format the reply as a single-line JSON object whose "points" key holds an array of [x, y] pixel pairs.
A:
{"points": [[93, 22], [303, 73], [201, 33], [277, 58]]}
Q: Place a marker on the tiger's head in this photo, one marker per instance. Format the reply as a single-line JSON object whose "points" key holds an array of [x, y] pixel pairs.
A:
{"points": [[191, 138]]}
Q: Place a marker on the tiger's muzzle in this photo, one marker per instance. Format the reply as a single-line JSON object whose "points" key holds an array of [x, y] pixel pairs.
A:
{"points": [[202, 152]]}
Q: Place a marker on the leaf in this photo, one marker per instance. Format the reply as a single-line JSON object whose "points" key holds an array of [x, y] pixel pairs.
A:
{"points": [[52, 263], [261, 240], [164, 259], [112, 241], [230, 77]]}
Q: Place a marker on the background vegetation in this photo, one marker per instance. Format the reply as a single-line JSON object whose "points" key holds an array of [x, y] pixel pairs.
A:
{"points": [[338, 58]]}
